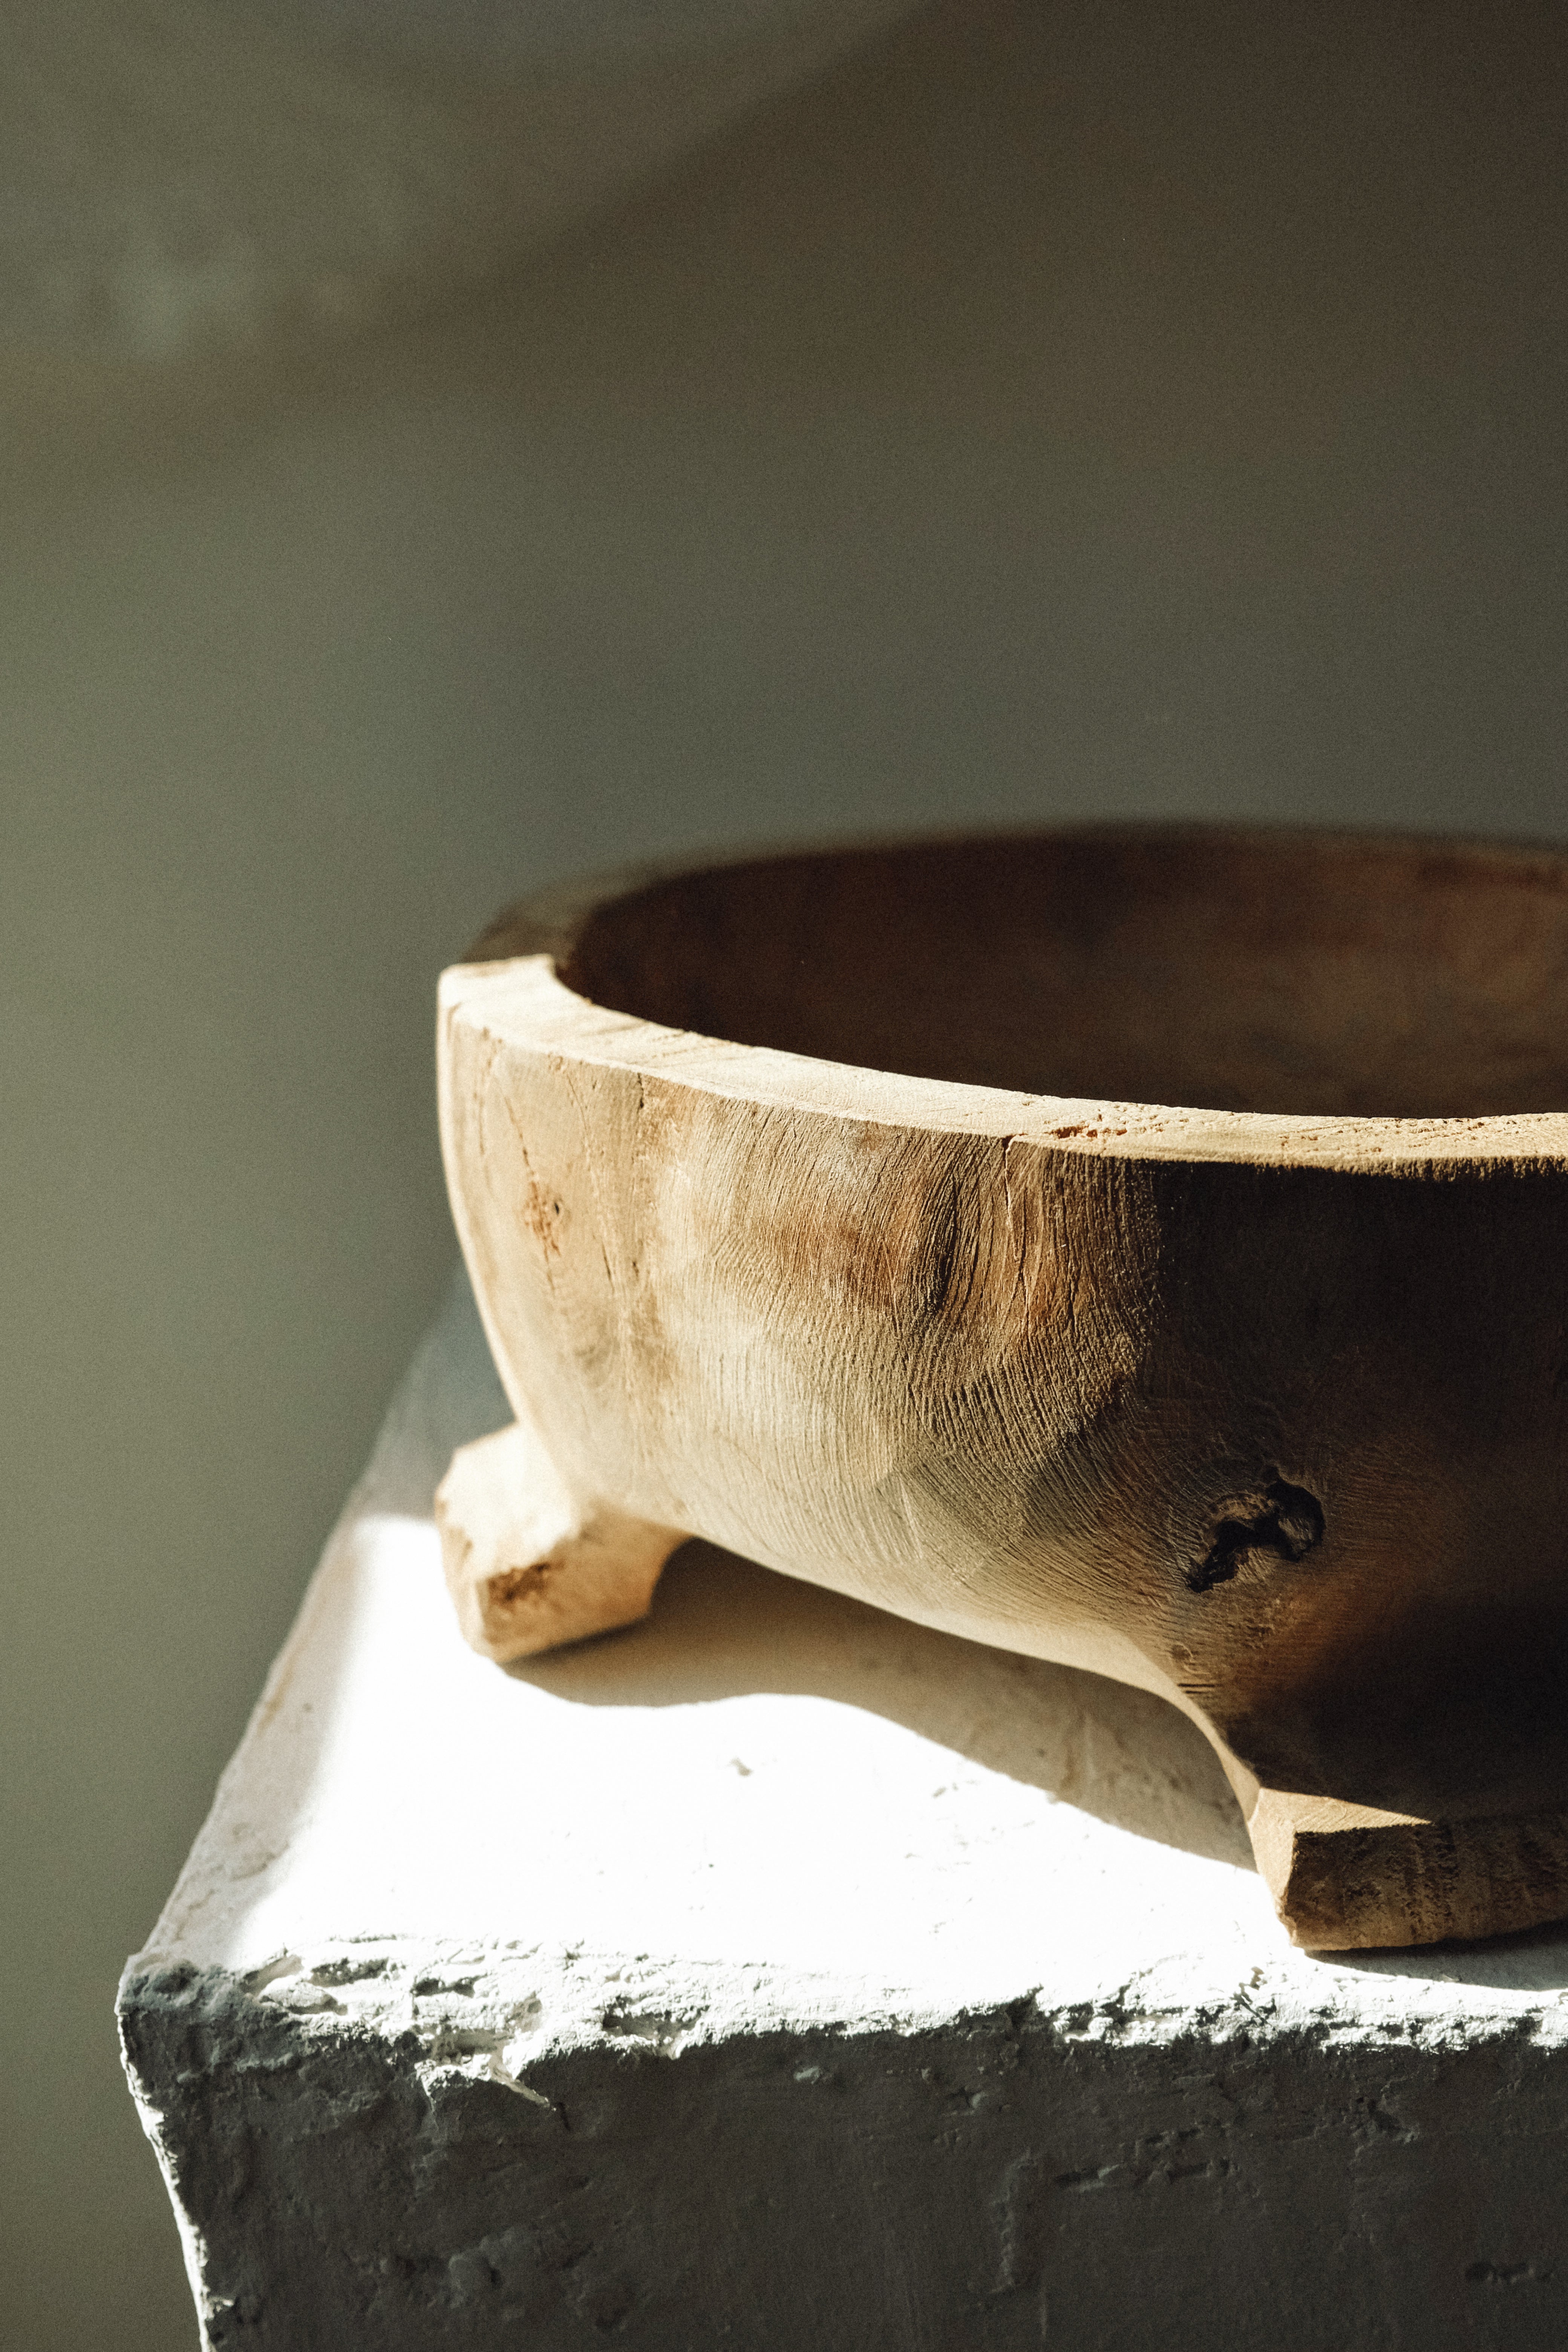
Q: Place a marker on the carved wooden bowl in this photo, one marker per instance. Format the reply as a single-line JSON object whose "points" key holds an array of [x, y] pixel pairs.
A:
{"points": [[1147, 1249]]}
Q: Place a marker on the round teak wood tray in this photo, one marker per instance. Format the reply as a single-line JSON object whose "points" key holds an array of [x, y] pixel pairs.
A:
{"points": [[1147, 1249]]}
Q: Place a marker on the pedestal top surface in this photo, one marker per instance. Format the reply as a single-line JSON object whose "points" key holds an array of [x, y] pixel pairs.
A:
{"points": [[767, 1806]]}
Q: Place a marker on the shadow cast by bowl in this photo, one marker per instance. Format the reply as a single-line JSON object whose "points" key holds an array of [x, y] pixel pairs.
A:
{"points": [[1535, 1960], [721, 1626]]}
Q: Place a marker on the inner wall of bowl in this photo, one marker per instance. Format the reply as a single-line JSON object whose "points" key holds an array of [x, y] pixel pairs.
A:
{"points": [[1224, 972]]}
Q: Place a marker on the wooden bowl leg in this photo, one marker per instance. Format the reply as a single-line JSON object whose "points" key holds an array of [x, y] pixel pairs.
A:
{"points": [[528, 1565], [1346, 1876]]}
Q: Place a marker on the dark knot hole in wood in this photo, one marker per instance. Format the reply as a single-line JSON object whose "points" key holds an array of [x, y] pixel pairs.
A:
{"points": [[1283, 1519], [515, 1584]]}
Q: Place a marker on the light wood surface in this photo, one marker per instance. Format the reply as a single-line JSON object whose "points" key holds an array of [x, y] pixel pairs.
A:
{"points": [[1144, 1249]]}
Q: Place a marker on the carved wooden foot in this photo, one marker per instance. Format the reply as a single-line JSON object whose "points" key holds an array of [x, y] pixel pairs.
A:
{"points": [[1346, 1876], [528, 1565]]}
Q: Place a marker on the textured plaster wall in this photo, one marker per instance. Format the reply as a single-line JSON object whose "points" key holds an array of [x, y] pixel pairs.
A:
{"points": [[1056, 410]]}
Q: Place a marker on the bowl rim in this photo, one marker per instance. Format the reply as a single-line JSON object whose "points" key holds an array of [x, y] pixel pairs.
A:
{"points": [[519, 998]]}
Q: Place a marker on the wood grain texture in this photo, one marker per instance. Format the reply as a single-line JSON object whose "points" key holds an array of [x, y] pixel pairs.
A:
{"points": [[1144, 1249]]}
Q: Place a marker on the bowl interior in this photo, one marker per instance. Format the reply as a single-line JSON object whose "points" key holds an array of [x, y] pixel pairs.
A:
{"points": [[1222, 970]]}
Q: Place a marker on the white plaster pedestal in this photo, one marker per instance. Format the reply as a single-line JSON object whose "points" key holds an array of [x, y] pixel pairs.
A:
{"points": [[784, 1977]]}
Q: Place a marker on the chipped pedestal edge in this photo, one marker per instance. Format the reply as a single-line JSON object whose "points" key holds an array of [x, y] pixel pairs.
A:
{"points": [[780, 1976]]}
